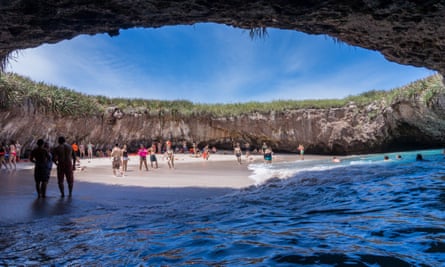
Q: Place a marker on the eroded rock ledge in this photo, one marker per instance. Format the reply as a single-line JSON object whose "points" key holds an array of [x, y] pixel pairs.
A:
{"points": [[407, 32], [405, 123]]}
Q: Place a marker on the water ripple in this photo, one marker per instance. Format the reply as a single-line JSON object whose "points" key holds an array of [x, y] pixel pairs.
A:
{"points": [[360, 214]]}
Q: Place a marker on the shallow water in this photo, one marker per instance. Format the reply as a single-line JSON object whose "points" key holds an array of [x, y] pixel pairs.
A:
{"points": [[361, 212]]}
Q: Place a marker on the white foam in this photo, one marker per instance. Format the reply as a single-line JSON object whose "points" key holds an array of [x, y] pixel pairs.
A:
{"points": [[264, 172]]}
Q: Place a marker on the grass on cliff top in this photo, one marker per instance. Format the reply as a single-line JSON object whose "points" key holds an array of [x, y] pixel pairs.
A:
{"points": [[17, 91]]}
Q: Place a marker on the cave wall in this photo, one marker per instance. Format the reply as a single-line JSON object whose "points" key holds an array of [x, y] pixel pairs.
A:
{"points": [[406, 32]]}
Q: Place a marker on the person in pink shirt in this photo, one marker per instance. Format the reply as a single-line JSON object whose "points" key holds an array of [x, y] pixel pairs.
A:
{"points": [[142, 152]]}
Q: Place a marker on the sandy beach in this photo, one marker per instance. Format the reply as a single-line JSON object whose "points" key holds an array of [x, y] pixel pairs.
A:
{"points": [[219, 171], [192, 178]]}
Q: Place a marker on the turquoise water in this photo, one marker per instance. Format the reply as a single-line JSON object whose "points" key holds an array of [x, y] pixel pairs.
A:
{"points": [[363, 211]]}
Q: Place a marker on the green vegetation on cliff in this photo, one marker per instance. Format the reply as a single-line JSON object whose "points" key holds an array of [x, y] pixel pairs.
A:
{"points": [[17, 91]]}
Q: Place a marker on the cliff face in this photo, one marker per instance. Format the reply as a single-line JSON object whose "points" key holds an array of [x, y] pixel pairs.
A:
{"points": [[407, 32], [377, 127]]}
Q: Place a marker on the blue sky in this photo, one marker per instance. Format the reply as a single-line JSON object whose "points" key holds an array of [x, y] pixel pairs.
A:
{"points": [[211, 63]]}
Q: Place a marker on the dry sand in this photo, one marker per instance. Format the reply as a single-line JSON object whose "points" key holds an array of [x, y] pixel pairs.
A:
{"points": [[219, 171]]}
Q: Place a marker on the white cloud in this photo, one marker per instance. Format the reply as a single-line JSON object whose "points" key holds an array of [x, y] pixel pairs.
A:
{"points": [[217, 64]]}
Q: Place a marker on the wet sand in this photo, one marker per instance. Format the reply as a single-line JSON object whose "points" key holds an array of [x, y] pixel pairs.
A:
{"points": [[95, 185]]}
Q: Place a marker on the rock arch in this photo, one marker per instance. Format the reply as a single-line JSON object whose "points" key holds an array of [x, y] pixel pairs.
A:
{"points": [[408, 32]]}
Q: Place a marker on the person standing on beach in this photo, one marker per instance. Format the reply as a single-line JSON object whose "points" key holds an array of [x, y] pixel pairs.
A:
{"points": [[82, 150], [142, 152], [263, 148], [64, 161], [170, 158], [247, 148], [3, 156], [184, 147], [125, 159], [116, 157], [18, 148], [301, 148], [50, 162], [40, 157], [238, 153], [76, 154], [12, 155], [153, 159], [195, 150], [90, 150], [206, 152]]}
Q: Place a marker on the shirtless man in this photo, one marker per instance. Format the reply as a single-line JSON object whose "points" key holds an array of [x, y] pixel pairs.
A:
{"points": [[116, 157], [238, 153], [40, 157], [64, 162]]}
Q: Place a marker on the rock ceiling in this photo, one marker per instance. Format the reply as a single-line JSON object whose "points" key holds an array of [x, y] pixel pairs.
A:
{"points": [[406, 32]]}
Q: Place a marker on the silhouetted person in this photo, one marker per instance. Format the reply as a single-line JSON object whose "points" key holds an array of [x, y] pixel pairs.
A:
{"points": [[64, 162], [419, 157], [40, 157]]}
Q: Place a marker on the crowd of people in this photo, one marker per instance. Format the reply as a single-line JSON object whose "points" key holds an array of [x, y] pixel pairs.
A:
{"points": [[10, 155], [120, 157], [66, 157], [148, 154]]}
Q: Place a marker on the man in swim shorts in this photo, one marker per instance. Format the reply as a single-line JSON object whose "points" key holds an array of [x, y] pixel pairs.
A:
{"points": [[64, 162], [40, 157]]}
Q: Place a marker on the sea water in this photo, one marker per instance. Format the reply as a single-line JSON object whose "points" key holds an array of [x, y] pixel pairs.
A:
{"points": [[364, 211]]}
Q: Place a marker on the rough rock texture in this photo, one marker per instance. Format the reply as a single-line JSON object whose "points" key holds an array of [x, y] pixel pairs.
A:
{"points": [[407, 32], [378, 127], [404, 31]]}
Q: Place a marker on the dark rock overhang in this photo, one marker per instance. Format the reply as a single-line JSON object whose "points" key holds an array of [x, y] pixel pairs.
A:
{"points": [[406, 32]]}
